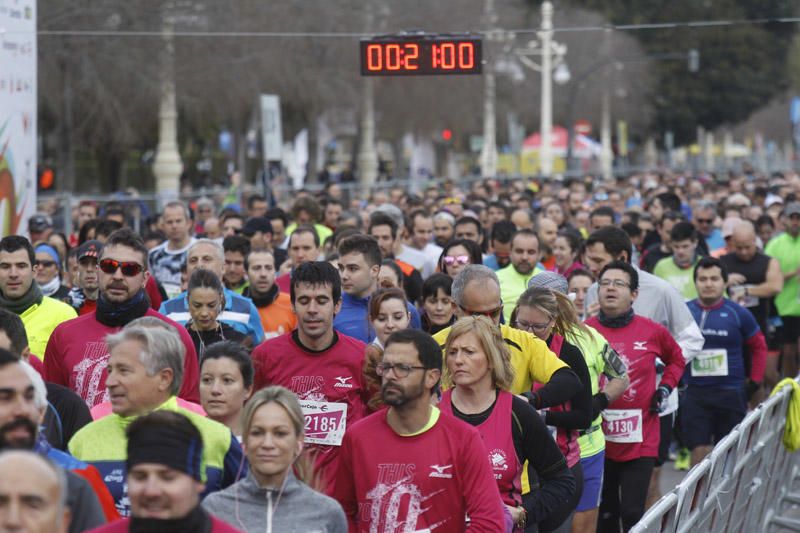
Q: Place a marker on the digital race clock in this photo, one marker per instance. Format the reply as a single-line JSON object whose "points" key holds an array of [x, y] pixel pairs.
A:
{"points": [[420, 55]]}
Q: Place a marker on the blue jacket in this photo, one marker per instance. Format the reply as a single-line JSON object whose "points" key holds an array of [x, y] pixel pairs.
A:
{"points": [[239, 313], [353, 319]]}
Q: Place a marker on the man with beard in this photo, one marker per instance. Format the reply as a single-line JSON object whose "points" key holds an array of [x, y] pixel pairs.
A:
{"points": [[20, 414], [84, 294], [435, 461], [20, 293], [77, 355], [66, 412], [321, 366], [444, 224], [515, 277]]}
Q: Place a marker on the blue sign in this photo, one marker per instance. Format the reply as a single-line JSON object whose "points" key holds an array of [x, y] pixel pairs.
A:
{"points": [[794, 110]]}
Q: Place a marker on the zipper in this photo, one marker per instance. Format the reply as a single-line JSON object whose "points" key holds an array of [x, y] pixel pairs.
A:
{"points": [[703, 318], [269, 511]]}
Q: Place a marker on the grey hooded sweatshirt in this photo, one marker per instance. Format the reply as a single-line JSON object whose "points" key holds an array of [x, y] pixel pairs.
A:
{"points": [[297, 509]]}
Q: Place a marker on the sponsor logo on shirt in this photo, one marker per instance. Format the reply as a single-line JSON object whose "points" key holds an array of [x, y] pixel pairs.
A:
{"points": [[116, 476], [342, 382], [440, 471], [498, 460], [716, 332], [640, 345]]}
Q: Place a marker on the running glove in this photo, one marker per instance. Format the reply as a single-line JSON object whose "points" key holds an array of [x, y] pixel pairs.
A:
{"points": [[660, 398]]}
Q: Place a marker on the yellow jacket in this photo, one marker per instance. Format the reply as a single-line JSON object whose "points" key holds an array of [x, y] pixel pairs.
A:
{"points": [[41, 319]]}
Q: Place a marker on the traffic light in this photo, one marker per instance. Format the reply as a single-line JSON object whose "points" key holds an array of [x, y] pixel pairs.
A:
{"points": [[447, 135]]}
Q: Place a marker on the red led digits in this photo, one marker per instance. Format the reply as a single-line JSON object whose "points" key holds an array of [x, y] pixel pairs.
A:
{"points": [[412, 54], [420, 54], [466, 55], [374, 57]]}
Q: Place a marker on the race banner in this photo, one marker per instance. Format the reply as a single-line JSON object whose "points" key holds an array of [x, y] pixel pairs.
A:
{"points": [[17, 115]]}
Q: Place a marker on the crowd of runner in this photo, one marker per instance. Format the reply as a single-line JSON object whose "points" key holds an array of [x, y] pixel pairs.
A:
{"points": [[503, 356]]}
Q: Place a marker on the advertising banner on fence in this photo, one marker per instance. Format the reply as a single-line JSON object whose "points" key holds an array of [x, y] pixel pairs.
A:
{"points": [[17, 115]]}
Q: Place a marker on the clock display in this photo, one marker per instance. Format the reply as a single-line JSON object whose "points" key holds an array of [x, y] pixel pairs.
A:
{"points": [[420, 55]]}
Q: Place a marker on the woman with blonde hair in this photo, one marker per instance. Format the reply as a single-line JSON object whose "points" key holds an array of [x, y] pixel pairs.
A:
{"points": [[550, 315], [272, 497], [478, 374]]}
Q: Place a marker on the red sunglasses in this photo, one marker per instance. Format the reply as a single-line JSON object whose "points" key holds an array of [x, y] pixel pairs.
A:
{"points": [[129, 268]]}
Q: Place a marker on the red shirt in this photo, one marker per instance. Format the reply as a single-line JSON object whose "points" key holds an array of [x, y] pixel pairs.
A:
{"points": [[88, 306], [76, 357], [638, 345], [151, 288], [333, 375], [426, 482], [284, 282]]}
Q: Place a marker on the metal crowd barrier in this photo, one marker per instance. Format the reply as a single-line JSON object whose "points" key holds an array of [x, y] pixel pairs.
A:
{"points": [[747, 483]]}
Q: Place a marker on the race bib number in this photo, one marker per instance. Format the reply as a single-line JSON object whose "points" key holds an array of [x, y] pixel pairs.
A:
{"points": [[622, 425], [325, 422], [709, 363]]}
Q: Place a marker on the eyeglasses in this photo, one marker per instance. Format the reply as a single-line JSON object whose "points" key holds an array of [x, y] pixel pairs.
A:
{"points": [[492, 313], [704, 220], [618, 283], [528, 326], [129, 268], [401, 370], [45, 264], [456, 259]]}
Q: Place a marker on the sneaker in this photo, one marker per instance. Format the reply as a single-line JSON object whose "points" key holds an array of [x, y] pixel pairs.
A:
{"points": [[684, 460]]}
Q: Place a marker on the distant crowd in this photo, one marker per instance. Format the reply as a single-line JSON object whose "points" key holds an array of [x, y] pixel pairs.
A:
{"points": [[526, 354]]}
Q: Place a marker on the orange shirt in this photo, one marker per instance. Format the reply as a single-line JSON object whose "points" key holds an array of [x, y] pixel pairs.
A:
{"points": [[278, 317]]}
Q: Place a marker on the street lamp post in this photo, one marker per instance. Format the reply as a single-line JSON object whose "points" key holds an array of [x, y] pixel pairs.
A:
{"points": [[367, 153], [167, 166], [552, 55]]}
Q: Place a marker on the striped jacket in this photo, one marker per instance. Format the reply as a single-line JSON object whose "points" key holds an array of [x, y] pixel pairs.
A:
{"points": [[239, 313]]}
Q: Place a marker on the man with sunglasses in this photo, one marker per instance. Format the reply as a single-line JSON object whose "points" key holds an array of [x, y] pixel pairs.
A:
{"points": [[704, 215], [476, 291], [21, 294], [428, 471], [77, 356], [786, 249]]}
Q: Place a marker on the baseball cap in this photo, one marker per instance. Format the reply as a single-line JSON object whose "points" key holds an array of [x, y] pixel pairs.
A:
{"points": [[90, 249], [39, 222], [728, 225], [256, 224], [793, 208], [772, 199]]}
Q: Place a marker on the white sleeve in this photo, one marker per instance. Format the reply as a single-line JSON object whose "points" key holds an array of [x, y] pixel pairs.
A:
{"points": [[682, 326]]}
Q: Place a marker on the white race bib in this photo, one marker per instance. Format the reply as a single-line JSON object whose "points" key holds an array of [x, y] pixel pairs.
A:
{"points": [[622, 425], [711, 362], [325, 422]]}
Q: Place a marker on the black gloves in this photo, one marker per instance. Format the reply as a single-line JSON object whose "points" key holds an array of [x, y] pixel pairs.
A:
{"points": [[659, 402]]}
